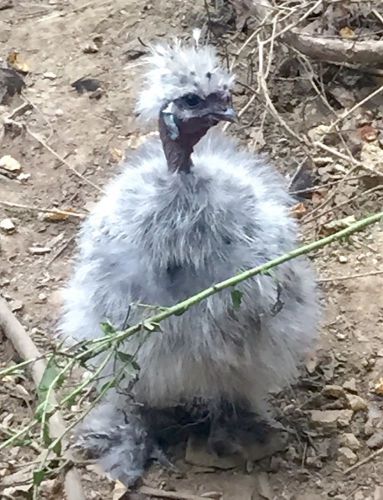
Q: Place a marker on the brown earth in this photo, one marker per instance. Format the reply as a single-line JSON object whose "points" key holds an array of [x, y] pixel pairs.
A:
{"points": [[64, 41]]}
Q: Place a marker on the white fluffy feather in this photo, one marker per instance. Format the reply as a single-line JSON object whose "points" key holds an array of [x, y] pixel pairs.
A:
{"points": [[176, 70]]}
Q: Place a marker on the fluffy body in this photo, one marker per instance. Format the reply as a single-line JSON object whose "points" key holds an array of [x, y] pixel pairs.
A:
{"points": [[158, 237], [168, 227]]}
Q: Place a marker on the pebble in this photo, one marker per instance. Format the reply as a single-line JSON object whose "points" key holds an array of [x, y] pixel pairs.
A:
{"points": [[342, 259], [376, 440], [356, 403], [350, 385], [347, 456], [7, 226], [16, 305], [9, 164], [349, 440], [49, 75], [23, 177], [333, 391], [330, 418]]}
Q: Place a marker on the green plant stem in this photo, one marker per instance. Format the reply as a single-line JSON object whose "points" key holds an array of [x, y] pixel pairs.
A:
{"points": [[183, 306]]}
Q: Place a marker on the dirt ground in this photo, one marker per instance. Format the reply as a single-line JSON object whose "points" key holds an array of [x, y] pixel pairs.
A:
{"points": [[62, 41]]}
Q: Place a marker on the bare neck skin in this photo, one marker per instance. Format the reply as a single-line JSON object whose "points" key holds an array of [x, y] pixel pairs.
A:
{"points": [[178, 151]]}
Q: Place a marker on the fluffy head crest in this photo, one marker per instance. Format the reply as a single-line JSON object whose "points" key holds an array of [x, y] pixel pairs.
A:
{"points": [[177, 70]]}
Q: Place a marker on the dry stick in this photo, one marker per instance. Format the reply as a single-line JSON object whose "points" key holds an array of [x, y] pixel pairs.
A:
{"points": [[177, 495], [373, 455], [23, 344], [348, 158], [43, 210], [376, 92], [350, 276], [335, 50], [339, 205]]}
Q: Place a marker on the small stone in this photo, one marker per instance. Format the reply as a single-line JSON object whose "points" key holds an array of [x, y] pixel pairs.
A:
{"points": [[23, 177], [42, 297], [347, 456], [314, 462], [329, 419], [378, 387], [333, 391], [341, 336], [342, 259], [9, 165], [39, 250], [59, 112], [356, 403], [349, 440], [376, 440], [90, 48], [7, 226], [49, 75], [350, 385], [16, 305]]}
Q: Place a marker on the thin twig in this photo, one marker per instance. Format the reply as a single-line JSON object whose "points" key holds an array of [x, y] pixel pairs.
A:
{"points": [[23, 344], [350, 277], [62, 160], [177, 495], [373, 455], [65, 213]]}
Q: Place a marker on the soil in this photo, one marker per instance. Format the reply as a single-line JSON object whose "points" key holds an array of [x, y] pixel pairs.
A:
{"points": [[62, 41]]}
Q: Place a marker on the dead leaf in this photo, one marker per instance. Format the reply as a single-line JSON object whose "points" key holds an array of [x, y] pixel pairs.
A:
{"points": [[57, 216], [119, 491], [347, 33], [317, 197], [368, 133], [378, 387], [86, 84], [117, 154], [15, 60], [298, 210]]}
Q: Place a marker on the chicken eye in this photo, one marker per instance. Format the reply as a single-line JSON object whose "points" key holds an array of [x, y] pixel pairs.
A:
{"points": [[192, 100]]}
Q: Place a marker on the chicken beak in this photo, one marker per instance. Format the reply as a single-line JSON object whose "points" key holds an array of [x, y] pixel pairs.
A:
{"points": [[227, 115]]}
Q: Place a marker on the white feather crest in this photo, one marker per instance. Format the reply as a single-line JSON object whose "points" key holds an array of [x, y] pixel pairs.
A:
{"points": [[177, 69]]}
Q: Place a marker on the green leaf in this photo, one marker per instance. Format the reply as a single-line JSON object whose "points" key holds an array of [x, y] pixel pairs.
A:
{"points": [[107, 328], [57, 448], [236, 297], [129, 360], [50, 376], [45, 433], [38, 477]]}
